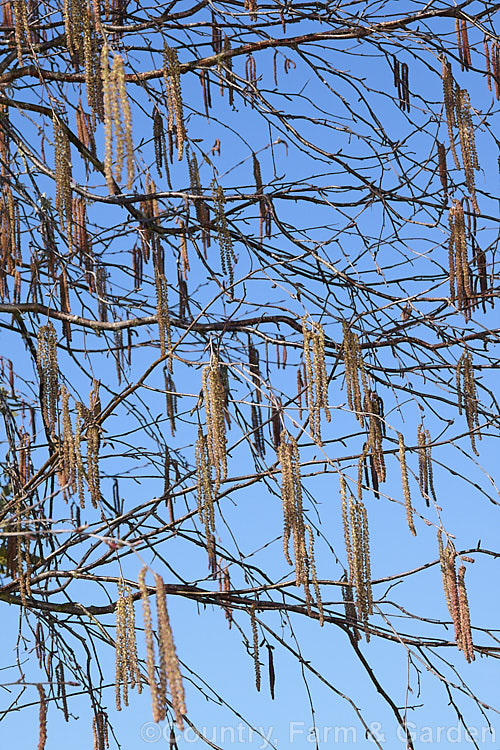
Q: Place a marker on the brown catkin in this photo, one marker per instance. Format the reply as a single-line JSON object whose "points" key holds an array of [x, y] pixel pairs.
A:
{"points": [[255, 649], [48, 373], [467, 396], [42, 718], [354, 372], [443, 169], [449, 105]]}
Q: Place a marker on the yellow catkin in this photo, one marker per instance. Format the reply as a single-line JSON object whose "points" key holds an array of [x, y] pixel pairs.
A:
{"points": [[312, 567], [108, 95], [465, 627], [150, 650], [121, 681], [214, 398], [293, 515], [467, 396], [69, 468], [171, 70], [317, 380], [123, 113], [406, 485], [168, 655], [21, 27], [48, 373]]}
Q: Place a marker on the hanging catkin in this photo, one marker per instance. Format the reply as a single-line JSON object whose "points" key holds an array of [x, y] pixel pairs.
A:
{"points": [[227, 256], [356, 539], [117, 121], [127, 669], [171, 74], [374, 410], [456, 597], [68, 454], [64, 198], [406, 485], [205, 485], [215, 397], [93, 435], [255, 647], [317, 380], [467, 396], [425, 474], [354, 372], [293, 514], [48, 373]]}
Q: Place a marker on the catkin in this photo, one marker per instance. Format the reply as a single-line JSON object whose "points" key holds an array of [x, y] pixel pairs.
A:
{"points": [[42, 718], [317, 380], [117, 119], [293, 515], [214, 396], [93, 434], [374, 409], [171, 74], [169, 662], [68, 454], [255, 650], [467, 396], [227, 255], [449, 105], [406, 485], [48, 373], [150, 649], [456, 597], [312, 567], [356, 538], [425, 473], [64, 197], [127, 669], [205, 486], [354, 372]]}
